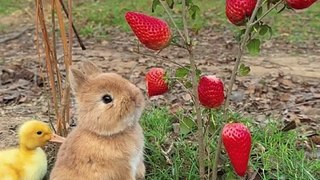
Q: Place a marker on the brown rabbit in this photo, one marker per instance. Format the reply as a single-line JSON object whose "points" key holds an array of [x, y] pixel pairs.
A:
{"points": [[108, 142]]}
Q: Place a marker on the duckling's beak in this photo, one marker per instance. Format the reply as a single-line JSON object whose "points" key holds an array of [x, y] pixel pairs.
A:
{"points": [[56, 138]]}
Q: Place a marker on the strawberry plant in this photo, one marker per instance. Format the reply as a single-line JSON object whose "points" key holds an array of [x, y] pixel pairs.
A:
{"points": [[208, 91]]}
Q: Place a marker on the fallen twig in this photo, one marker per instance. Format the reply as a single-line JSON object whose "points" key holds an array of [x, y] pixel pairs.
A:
{"points": [[165, 153], [15, 35]]}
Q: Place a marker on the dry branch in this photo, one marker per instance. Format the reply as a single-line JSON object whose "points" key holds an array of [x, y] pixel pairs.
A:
{"points": [[71, 22], [59, 89]]}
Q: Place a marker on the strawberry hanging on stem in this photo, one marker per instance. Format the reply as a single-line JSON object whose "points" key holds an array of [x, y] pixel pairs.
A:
{"points": [[156, 82], [236, 139], [210, 91], [238, 11], [152, 32], [300, 4]]}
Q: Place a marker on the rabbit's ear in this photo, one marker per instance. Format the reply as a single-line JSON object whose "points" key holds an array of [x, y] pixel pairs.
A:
{"points": [[76, 79], [89, 68]]}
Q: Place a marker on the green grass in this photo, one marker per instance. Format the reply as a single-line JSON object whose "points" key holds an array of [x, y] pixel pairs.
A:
{"points": [[297, 27], [280, 160], [8, 6], [157, 124], [97, 16], [94, 17]]}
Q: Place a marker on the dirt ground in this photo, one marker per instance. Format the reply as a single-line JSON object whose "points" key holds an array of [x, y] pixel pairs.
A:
{"points": [[283, 83]]}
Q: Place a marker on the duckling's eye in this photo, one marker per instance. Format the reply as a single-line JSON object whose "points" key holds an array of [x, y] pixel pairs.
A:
{"points": [[39, 132], [106, 99]]}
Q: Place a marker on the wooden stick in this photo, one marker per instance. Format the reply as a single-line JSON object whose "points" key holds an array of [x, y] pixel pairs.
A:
{"points": [[73, 27]]}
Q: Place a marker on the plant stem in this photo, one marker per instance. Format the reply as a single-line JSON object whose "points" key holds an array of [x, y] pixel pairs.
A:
{"points": [[240, 53], [171, 18], [198, 116], [267, 12], [54, 49], [73, 27], [70, 32], [184, 20], [250, 24], [200, 131], [230, 85], [184, 87], [48, 58]]}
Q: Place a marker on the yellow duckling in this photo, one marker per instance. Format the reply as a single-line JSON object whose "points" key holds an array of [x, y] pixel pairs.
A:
{"points": [[29, 161]]}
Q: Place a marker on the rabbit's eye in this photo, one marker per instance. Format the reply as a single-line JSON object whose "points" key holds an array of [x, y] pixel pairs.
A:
{"points": [[106, 99]]}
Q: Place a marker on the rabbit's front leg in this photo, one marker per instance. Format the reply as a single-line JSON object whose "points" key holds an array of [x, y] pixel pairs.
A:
{"points": [[141, 170]]}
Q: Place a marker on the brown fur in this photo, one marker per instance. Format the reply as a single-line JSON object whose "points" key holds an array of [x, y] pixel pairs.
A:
{"points": [[108, 142]]}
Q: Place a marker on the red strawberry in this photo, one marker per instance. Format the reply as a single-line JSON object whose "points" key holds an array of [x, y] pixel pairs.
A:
{"points": [[300, 4], [155, 82], [154, 33], [238, 10], [236, 139], [210, 91]]}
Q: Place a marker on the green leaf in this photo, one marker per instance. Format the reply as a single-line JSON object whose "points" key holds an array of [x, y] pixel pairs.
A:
{"points": [[188, 84], [263, 29], [244, 70], [239, 34], [155, 3], [259, 13], [270, 32], [170, 3], [182, 72], [283, 8], [230, 174], [188, 2], [193, 11], [254, 46], [196, 26], [256, 27], [198, 72], [186, 125]]}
